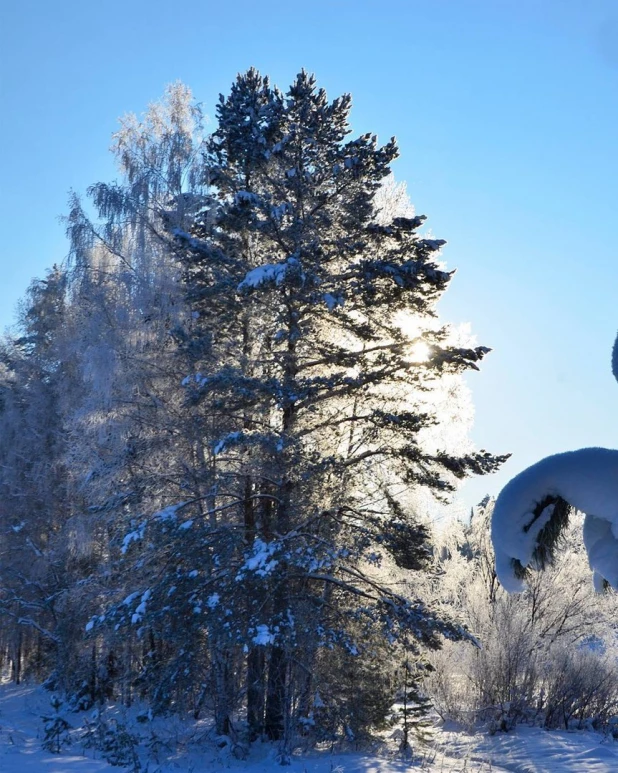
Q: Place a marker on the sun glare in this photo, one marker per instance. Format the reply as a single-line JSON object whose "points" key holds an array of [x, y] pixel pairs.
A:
{"points": [[418, 352]]}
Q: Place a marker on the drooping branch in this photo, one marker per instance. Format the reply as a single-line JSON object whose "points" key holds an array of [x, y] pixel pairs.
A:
{"points": [[533, 510]]}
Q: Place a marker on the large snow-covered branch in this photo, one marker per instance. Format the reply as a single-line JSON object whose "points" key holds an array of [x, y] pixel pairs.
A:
{"points": [[529, 513]]}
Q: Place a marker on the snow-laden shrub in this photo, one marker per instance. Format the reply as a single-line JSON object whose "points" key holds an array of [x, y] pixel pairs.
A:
{"points": [[532, 663], [581, 686], [113, 740], [496, 683]]}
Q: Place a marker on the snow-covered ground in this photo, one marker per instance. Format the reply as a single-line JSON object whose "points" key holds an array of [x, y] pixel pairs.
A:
{"points": [[526, 750]]}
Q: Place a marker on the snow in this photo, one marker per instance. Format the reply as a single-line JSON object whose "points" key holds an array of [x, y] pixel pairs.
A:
{"points": [[259, 560], [133, 536], [531, 750], [525, 749], [269, 272], [332, 301], [588, 480], [169, 513], [196, 244], [222, 444], [140, 610], [263, 636]]}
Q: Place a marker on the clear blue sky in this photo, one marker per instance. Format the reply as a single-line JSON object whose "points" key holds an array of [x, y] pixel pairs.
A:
{"points": [[506, 112]]}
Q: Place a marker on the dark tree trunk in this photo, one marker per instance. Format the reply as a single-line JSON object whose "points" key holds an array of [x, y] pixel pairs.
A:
{"points": [[92, 681], [221, 685], [274, 723], [256, 689], [16, 666], [304, 698]]}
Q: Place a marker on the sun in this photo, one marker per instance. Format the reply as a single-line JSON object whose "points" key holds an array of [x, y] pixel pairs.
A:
{"points": [[419, 351]]}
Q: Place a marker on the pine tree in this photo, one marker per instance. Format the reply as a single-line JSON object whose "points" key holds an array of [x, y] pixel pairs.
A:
{"points": [[414, 706], [315, 393]]}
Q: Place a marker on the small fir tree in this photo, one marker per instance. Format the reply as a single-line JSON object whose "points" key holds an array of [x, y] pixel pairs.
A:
{"points": [[413, 707], [56, 728]]}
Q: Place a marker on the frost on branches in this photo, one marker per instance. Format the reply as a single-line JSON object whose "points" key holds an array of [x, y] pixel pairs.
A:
{"points": [[533, 510], [245, 392]]}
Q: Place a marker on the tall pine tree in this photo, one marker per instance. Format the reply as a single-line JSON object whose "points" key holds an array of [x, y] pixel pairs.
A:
{"points": [[314, 394]]}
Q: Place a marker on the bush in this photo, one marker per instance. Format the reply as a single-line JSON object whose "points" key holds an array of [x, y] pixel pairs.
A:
{"points": [[113, 740], [531, 664], [581, 685]]}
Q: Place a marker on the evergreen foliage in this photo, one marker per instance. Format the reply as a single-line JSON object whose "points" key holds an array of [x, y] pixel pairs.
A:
{"points": [[113, 740], [56, 728], [308, 379], [218, 420], [413, 708]]}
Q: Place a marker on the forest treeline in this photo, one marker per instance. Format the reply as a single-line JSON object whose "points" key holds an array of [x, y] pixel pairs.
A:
{"points": [[218, 421]]}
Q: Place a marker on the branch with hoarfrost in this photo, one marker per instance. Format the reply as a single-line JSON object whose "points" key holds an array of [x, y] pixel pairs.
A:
{"points": [[28, 621], [533, 509]]}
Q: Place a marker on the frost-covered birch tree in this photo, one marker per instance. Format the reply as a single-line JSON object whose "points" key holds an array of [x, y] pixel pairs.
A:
{"points": [[91, 386], [132, 451]]}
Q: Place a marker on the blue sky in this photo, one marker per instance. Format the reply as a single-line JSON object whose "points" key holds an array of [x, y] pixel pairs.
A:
{"points": [[506, 114]]}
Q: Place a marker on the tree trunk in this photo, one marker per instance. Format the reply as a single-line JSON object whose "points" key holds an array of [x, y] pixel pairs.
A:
{"points": [[256, 689], [274, 723], [221, 685], [304, 697], [16, 665]]}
